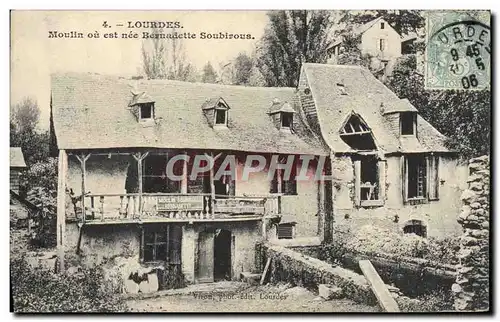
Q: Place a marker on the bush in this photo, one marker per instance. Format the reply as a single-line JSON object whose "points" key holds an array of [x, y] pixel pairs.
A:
{"points": [[40, 182], [42, 174], [44, 234], [39, 290]]}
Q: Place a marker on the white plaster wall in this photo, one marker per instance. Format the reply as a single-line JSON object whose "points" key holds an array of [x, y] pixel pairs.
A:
{"points": [[370, 41], [103, 176], [440, 215], [246, 235]]}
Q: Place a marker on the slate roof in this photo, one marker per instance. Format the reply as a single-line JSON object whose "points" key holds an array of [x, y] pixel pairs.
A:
{"points": [[91, 112], [402, 105], [17, 158], [365, 96]]}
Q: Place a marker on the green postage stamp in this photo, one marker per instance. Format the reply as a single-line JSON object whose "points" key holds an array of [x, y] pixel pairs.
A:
{"points": [[458, 50]]}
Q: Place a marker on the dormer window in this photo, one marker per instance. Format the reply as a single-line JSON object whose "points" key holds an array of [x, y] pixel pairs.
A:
{"points": [[142, 106], [216, 111], [221, 114], [408, 123], [357, 134], [146, 111], [282, 115], [220, 117], [286, 120]]}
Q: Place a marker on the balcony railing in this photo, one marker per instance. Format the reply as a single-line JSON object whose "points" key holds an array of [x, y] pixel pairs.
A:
{"points": [[178, 207]]}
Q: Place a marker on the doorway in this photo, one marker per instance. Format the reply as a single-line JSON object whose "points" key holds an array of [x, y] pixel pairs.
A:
{"points": [[215, 248], [222, 255]]}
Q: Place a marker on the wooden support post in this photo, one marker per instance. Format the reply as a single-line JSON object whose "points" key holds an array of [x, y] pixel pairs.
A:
{"points": [[184, 182], [264, 273], [61, 207], [212, 184], [381, 174], [139, 157], [83, 159], [321, 208], [378, 287], [357, 182], [264, 224]]}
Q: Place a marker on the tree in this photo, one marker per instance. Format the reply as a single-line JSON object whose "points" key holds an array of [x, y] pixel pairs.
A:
{"points": [[209, 75], [23, 131], [164, 57], [351, 53], [243, 66], [291, 38], [154, 57]]}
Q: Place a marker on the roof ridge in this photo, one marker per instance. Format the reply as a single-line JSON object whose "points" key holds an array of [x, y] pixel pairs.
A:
{"points": [[108, 77]]}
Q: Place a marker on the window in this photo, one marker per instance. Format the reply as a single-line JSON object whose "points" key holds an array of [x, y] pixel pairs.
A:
{"points": [[415, 227], [407, 123], [357, 135], [146, 111], [155, 179], [382, 25], [220, 116], [369, 181], [286, 231], [161, 243], [286, 187], [382, 44], [286, 120], [417, 180], [421, 178]]}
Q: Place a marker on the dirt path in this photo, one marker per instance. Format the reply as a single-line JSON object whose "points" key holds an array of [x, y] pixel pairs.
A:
{"points": [[241, 297]]}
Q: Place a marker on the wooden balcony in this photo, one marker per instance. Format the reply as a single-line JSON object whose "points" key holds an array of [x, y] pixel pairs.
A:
{"points": [[168, 207]]}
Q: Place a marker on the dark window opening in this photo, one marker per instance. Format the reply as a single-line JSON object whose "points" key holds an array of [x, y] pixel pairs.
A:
{"points": [[382, 44], [220, 116], [162, 243], [147, 111], [415, 227], [369, 178], [155, 177], [407, 123], [357, 135], [416, 172], [286, 231], [280, 185], [382, 25], [222, 255], [286, 120]]}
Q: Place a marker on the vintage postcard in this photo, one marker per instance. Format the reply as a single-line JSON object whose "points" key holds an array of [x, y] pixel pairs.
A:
{"points": [[250, 161]]}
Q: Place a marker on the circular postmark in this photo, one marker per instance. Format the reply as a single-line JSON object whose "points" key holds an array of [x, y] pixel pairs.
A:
{"points": [[458, 54]]}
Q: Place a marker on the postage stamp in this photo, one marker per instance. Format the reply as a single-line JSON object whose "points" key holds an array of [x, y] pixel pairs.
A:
{"points": [[221, 161], [458, 50]]}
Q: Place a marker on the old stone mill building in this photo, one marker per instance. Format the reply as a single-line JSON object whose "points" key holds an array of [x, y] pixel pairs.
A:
{"points": [[385, 165]]}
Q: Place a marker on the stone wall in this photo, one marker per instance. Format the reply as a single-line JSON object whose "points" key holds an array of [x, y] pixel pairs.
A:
{"points": [[472, 285]]}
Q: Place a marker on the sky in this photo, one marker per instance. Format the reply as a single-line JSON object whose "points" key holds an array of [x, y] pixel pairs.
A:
{"points": [[34, 56]]}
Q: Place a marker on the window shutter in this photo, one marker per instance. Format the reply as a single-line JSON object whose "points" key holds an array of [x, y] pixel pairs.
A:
{"points": [[404, 177], [433, 171], [357, 182], [381, 180]]}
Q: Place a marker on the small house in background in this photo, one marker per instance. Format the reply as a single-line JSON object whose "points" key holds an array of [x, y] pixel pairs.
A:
{"points": [[377, 38], [17, 165]]}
